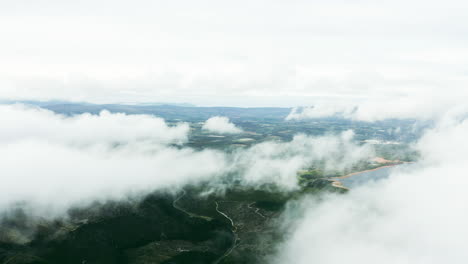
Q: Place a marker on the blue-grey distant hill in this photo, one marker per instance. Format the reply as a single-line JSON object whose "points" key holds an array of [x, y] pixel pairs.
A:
{"points": [[183, 112]]}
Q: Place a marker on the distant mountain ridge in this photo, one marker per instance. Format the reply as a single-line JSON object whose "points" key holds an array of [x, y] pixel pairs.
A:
{"points": [[183, 112]]}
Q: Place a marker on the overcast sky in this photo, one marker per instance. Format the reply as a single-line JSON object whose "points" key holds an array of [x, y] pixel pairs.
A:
{"points": [[240, 53]]}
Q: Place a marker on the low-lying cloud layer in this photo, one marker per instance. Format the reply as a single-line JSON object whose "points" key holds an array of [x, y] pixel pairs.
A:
{"points": [[53, 161], [21, 123], [220, 125], [417, 215], [56, 161], [415, 107], [278, 162]]}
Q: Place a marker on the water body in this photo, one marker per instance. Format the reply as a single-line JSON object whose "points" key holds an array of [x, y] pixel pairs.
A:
{"points": [[362, 178]]}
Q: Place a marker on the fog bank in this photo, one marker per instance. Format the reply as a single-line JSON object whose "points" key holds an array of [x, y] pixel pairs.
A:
{"points": [[417, 215]]}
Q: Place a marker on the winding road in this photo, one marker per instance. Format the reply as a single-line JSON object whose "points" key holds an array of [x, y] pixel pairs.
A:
{"points": [[234, 229], [174, 204], [233, 226], [256, 209]]}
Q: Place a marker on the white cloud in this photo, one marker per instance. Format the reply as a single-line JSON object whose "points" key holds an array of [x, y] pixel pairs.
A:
{"points": [[221, 125], [54, 177], [21, 122], [421, 108], [279, 162], [53, 161], [418, 215]]}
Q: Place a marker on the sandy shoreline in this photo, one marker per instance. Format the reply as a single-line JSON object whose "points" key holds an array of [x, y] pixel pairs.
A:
{"points": [[359, 172], [338, 184]]}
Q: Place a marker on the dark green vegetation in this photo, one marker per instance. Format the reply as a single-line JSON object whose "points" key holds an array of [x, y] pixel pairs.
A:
{"points": [[145, 232], [197, 225], [237, 226]]}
